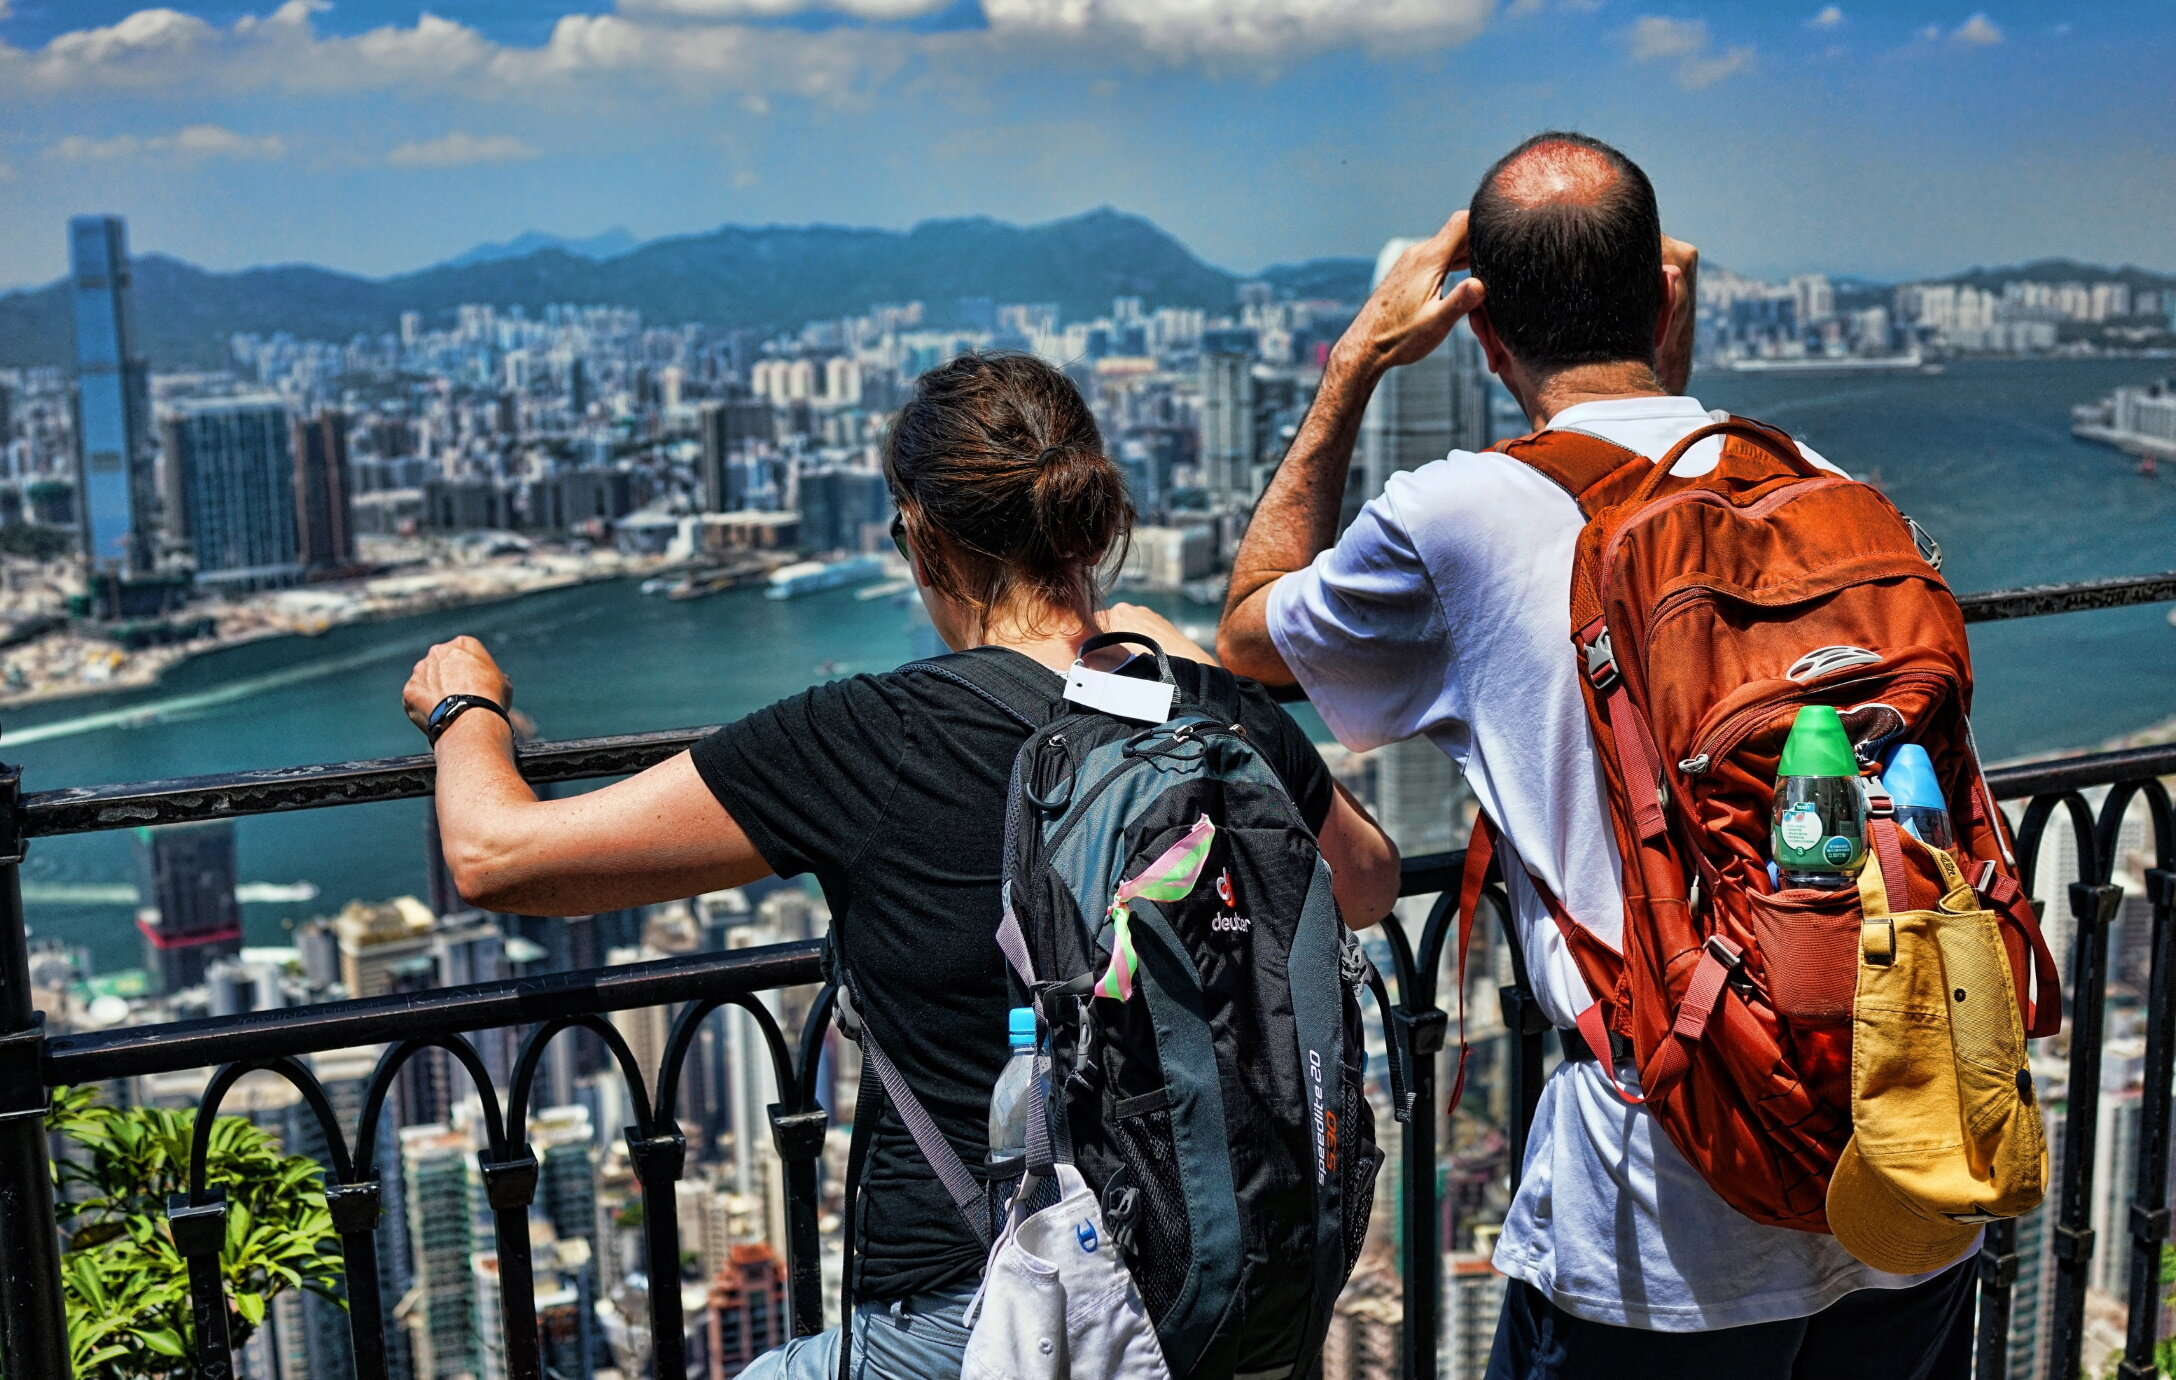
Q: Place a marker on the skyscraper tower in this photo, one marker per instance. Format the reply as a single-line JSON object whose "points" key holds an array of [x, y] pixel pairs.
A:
{"points": [[189, 917], [324, 494], [114, 496], [728, 428], [235, 477], [1422, 411], [1227, 428], [435, 1165]]}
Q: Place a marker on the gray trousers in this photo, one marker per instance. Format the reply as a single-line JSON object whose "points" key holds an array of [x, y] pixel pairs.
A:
{"points": [[917, 1338]]}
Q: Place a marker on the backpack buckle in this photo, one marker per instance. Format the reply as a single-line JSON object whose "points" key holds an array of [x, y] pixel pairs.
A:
{"points": [[1601, 661], [1724, 952]]}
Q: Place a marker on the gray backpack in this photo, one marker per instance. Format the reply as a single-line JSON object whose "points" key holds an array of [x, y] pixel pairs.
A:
{"points": [[1168, 914]]}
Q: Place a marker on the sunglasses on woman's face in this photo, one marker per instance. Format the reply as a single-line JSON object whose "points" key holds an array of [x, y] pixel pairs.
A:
{"points": [[899, 537]]}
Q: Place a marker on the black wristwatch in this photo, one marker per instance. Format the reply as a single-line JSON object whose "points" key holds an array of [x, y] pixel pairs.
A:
{"points": [[453, 707]]}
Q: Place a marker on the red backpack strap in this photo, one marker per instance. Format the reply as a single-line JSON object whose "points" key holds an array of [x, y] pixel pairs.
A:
{"points": [[1590, 469], [1480, 852], [1593, 1021]]}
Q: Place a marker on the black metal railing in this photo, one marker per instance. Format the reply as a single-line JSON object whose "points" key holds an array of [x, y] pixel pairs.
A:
{"points": [[33, 1334]]}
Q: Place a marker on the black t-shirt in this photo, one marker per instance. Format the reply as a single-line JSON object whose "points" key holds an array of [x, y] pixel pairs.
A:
{"points": [[891, 790]]}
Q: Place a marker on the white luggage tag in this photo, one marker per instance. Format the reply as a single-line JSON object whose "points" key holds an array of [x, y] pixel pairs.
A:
{"points": [[1143, 701]]}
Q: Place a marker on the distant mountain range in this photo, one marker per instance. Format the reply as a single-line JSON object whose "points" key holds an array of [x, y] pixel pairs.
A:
{"points": [[609, 245], [768, 277], [2062, 271]]}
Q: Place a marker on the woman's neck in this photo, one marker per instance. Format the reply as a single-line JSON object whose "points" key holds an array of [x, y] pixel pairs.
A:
{"points": [[1052, 638], [1045, 635]]}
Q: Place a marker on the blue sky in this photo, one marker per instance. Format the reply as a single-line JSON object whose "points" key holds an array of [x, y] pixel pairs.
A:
{"points": [[372, 135]]}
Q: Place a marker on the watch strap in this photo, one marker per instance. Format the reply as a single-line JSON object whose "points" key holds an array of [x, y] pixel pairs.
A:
{"points": [[453, 707]]}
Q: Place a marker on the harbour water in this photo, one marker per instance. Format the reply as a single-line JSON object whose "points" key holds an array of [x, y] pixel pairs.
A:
{"points": [[1980, 454]]}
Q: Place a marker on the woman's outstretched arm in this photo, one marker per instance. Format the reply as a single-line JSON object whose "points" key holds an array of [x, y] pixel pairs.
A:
{"points": [[657, 836]]}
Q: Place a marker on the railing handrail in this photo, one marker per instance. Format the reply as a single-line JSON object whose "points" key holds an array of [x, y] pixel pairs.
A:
{"points": [[2077, 596], [2082, 771], [171, 1046]]}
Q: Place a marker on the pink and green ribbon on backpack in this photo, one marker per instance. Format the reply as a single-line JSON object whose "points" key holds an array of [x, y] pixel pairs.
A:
{"points": [[1169, 878]]}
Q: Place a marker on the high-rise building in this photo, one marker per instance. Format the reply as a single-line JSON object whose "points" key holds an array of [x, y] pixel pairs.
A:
{"points": [[840, 506], [558, 1269], [231, 466], [1422, 411], [1366, 1325], [2117, 1127], [727, 428], [1418, 795], [345, 1074], [189, 916], [324, 493], [435, 1164], [1227, 428], [115, 495], [470, 948], [377, 939], [1473, 1299], [747, 1309]]}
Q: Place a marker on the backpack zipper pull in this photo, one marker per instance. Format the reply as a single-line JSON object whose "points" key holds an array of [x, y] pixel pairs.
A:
{"points": [[1695, 766]]}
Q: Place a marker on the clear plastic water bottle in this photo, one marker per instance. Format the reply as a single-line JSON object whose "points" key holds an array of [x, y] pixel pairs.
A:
{"points": [[1819, 824], [1013, 1100], [1917, 794]]}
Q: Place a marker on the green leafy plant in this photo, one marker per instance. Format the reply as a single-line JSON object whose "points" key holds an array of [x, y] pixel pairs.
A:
{"points": [[127, 1287]]}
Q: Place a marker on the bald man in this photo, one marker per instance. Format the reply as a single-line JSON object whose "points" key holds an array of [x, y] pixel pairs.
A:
{"points": [[1443, 611]]}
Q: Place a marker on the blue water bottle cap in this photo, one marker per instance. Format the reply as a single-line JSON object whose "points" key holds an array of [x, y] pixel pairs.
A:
{"points": [[1910, 781], [1020, 1027]]}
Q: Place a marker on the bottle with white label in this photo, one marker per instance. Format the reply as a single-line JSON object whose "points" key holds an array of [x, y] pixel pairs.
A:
{"points": [[1819, 832]]}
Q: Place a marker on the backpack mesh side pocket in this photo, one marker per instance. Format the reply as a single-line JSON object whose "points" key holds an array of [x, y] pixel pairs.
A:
{"points": [[1163, 1249], [1359, 1160]]}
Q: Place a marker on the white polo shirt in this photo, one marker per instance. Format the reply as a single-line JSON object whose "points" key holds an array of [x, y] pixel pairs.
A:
{"points": [[1445, 610]]}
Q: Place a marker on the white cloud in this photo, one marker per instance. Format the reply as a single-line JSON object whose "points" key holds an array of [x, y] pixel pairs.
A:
{"points": [[771, 9], [1932, 33], [1688, 44], [1706, 69], [192, 142], [459, 149], [1830, 17], [1191, 29], [1655, 36], [703, 47], [1978, 31]]}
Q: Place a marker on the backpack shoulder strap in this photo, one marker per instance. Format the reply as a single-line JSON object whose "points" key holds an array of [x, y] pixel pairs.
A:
{"points": [[1016, 692], [1593, 471], [1217, 691], [952, 1172]]}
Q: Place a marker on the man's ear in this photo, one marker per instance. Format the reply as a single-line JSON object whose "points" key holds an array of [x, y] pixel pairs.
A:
{"points": [[1492, 344], [1673, 288]]}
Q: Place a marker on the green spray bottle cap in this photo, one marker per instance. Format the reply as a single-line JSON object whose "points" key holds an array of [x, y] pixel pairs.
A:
{"points": [[1818, 745]]}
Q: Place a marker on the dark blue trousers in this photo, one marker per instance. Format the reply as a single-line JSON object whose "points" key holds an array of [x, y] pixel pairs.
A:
{"points": [[1920, 1333]]}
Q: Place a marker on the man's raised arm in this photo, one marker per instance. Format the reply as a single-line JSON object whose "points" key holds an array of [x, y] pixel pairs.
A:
{"points": [[1405, 318]]}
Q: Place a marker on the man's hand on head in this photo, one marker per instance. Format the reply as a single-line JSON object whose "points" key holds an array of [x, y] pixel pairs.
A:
{"points": [[1673, 352], [1408, 315]]}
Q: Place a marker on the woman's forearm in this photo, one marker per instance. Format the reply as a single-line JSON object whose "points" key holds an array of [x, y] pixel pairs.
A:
{"points": [[484, 810], [660, 835]]}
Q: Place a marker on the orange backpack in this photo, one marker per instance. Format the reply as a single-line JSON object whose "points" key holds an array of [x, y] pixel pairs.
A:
{"points": [[1705, 612]]}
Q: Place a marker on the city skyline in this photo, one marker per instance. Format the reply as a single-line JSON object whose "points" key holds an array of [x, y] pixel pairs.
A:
{"points": [[372, 138]]}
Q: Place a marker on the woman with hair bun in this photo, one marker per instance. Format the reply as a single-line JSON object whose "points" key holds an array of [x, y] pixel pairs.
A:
{"points": [[890, 789]]}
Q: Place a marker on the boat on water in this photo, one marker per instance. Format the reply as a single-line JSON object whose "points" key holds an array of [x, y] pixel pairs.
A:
{"points": [[810, 577], [1909, 362], [901, 585]]}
